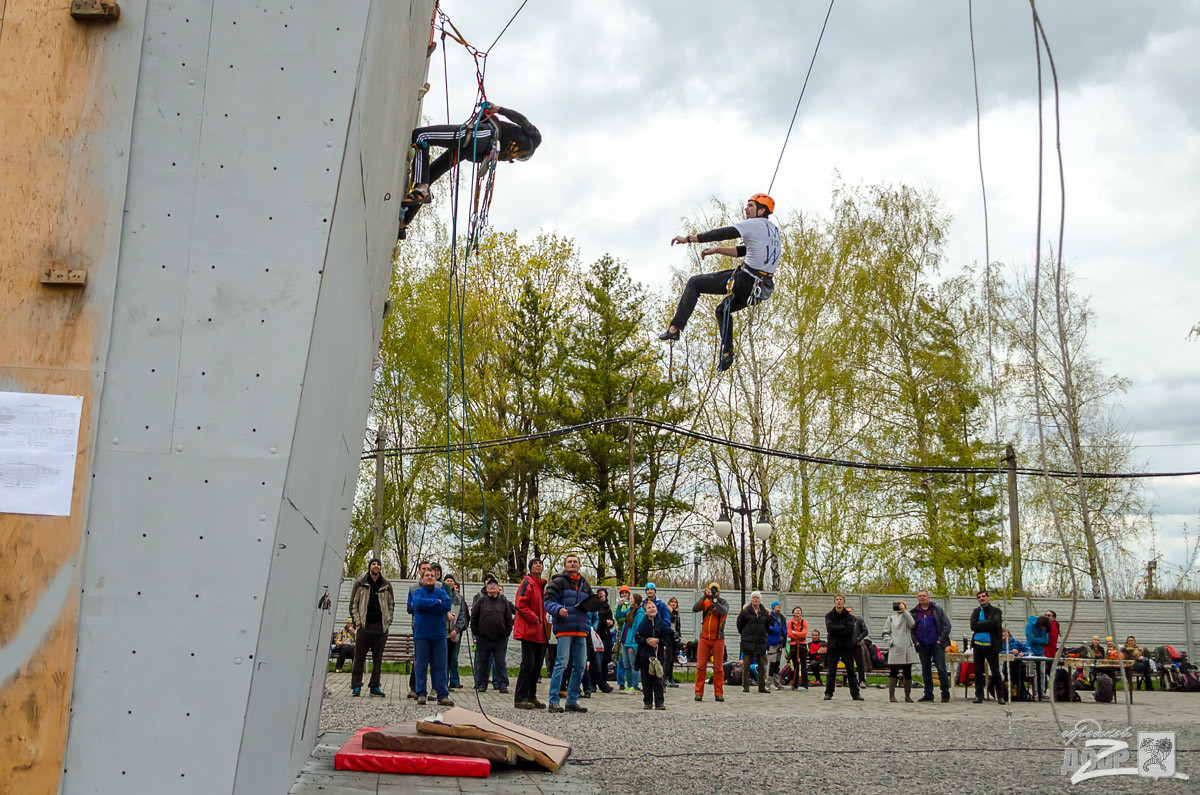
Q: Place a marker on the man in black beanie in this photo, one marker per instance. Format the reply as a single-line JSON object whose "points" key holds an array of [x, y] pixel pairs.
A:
{"points": [[371, 604]]}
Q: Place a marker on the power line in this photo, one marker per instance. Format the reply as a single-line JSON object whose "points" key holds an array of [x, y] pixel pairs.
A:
{"points": [[567, 430], [797, 110]]}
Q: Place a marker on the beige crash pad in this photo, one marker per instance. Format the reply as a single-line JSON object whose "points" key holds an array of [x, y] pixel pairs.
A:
{"points": [[528, 744], [405, 737]]}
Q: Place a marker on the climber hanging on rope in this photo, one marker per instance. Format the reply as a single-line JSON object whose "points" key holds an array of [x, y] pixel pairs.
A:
{"points": [[473, 141], [750, 282]]}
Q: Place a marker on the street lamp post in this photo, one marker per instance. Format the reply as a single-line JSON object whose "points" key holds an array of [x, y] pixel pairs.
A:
{"points": [[763, 529]]}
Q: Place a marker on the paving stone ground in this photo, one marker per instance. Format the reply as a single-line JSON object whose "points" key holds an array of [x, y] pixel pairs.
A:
{"points": [[781, 742]]}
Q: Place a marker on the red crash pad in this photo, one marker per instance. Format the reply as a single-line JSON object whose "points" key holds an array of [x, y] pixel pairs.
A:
{"points": [[352, 756]]}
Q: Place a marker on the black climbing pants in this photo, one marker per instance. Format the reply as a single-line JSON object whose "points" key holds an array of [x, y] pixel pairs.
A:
{"points": [[716, 284]]}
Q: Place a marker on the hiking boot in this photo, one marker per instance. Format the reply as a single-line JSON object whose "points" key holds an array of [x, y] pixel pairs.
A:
{"points": [[672, 683], [562, 693], [576, 708], [503, 690], [375, 691], [977, 700], [606, 688], [356, 691], [586, 694], [538, 704], [857, 698], [828, 696], [699, 698], [669, 336], [445, 702], [719, 698], [411, 694], [945, 698], [661, 706], [926, 697], [421, 701], [524, 705], [647, 706], [555, 708]]}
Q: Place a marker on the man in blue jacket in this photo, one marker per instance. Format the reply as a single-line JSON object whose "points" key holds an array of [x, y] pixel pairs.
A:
{"points": [[570, 625], [430, 604], [931, 633]]}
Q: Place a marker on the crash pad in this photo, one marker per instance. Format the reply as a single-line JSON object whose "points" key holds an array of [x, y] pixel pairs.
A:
{"points": [[405, 737], [352, 756], [528, 744]]}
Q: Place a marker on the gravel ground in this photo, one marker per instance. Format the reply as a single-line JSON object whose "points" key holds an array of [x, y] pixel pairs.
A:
{"points": [[805, 742]]}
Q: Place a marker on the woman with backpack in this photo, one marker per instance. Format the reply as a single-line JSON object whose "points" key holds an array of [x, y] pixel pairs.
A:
{"points": [[633, 618]]}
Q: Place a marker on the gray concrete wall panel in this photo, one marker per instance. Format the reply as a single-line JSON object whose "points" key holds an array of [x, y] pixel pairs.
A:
{"points": [[323, 466], [156, 236], [172, 598], [253, 270]]}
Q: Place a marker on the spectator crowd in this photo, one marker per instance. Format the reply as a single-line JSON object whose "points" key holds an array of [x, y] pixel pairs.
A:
{"points": [[583, 642]]}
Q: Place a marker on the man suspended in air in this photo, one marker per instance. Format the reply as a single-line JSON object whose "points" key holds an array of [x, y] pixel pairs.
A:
{"points": [[750, 282], [473, 141]]}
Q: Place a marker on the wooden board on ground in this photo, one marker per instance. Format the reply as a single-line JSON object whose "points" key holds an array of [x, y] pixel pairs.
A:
{"points": [[528, 744], [405, 737]]}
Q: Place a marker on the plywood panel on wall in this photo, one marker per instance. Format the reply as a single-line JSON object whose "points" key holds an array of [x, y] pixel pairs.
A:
{"points": [[66, 96]]}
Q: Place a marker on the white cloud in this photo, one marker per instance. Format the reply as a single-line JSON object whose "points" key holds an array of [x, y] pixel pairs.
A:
{"points": [[651, 109]]}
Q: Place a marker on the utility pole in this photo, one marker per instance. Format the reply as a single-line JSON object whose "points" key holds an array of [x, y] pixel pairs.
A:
{"points": [[631, 582], [378, 540], [1014, 523], [1151, 571]]}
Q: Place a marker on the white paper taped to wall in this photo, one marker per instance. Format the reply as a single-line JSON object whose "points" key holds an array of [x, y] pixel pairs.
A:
{"points": [[39, 436]]}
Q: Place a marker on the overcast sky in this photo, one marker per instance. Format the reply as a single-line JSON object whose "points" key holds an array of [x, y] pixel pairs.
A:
{"points": [[651, 108]]}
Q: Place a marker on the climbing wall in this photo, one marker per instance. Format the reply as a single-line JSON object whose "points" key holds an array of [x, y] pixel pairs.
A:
{"points": [[248, 204]]}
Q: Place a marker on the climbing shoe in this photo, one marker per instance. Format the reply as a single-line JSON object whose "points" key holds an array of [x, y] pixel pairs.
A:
{"points": [[725, 362], [669, 336]]}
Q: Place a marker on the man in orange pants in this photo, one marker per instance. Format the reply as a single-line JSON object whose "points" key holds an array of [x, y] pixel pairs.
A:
{"points": [[712, 641]]}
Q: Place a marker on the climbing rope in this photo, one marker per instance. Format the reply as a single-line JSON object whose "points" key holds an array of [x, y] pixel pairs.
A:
{"points": [[798, 101]]}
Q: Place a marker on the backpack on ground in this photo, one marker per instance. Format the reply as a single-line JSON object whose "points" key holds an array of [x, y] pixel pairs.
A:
{"points": [[1106, 692], [785, 675], [1062, 682], [1191, 682], [733, 672], [1174, 678]]}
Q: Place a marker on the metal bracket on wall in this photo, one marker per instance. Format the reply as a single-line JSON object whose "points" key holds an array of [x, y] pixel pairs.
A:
{"points": [[96, 10], [61, 275]]}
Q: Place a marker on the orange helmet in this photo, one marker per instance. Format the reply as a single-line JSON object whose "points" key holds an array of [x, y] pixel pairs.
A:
{"points": [[764, 200]]}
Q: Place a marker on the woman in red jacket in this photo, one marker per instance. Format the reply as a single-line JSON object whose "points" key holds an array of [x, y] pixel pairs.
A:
{"points": [[797, 632]]}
